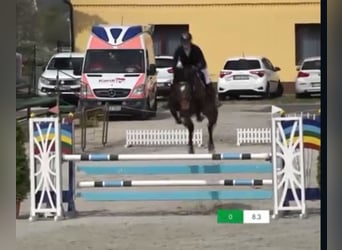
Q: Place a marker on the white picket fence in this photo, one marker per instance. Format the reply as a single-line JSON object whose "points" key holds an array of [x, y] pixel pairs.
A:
{"points": [[153, 137], [302, 114], [263, 135], [253, 135]]}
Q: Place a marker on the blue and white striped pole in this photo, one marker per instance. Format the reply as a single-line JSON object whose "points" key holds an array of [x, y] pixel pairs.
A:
{"points": [[139, 157], [149, 183]]}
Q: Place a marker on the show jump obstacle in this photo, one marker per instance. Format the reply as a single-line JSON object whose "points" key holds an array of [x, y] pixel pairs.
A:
{"points": [[51, 144]]}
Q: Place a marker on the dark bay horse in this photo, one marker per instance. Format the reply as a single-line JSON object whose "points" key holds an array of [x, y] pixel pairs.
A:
{"points": [[188, 96]]}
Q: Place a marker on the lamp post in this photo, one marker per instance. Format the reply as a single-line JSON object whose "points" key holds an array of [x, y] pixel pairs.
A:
{"points": [[70, 35], [58, 98]]}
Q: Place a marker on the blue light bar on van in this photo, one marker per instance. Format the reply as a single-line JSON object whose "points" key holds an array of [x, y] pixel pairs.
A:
{"points": [[100, 32], [115, 32], [131, 32], [119, 34]]}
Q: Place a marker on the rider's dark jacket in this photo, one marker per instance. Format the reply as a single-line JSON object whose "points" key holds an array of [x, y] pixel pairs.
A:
{"points": [[195, 58]]}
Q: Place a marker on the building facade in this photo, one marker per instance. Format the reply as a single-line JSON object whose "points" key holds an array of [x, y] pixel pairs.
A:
{"points": [[285, 31]]}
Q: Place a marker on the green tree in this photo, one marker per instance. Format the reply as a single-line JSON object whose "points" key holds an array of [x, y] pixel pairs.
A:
{"points": [[22, 169], [26, 18], [54, 25]]}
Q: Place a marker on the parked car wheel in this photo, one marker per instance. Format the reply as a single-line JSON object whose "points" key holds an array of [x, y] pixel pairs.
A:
{"points": [[267, 94], [234, 97], [222, 97], [280, 90], [300, 95]]}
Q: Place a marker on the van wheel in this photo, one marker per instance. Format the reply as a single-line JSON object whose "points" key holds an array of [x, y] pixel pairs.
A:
{"points": [[154, 108], [145, 113]]}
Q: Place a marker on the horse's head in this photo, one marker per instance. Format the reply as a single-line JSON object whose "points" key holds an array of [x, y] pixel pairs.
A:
{"points": [[183, 74], [183, 80]]}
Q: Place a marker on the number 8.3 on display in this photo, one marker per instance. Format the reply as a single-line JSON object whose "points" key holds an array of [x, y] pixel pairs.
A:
{"points": [[256, 216]]}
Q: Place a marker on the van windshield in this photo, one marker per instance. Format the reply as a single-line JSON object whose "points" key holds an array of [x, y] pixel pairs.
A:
{"points": [[66, 63], [115, 61]]}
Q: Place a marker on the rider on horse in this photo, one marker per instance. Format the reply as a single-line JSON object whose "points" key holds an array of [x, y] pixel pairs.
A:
{"points": [[189, 54]]}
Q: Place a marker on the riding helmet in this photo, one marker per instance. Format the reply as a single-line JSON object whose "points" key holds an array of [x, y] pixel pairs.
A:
{"points": [[186, 37]]}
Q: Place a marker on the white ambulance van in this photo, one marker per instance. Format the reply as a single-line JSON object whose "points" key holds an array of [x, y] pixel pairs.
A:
{"points": [[119, 69]]}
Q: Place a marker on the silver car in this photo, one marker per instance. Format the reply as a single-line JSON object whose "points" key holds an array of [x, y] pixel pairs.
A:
{"points": [[164, 74]]}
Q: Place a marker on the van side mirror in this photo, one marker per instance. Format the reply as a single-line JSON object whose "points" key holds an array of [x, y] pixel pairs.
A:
{"points": [[152, 70], [77, 71], [276, 69]]}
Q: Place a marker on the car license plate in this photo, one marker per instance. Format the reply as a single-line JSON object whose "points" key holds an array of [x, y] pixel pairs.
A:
{"points": [[115, 108], [316, 84], [64, 88], [240, 77]]}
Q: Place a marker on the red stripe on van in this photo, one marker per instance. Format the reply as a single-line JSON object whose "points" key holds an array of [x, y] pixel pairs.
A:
{"points": [[133, 43], [140, 81], [86, 84], [97, 43]]}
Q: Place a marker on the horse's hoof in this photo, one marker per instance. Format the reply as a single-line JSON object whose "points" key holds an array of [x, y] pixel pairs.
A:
{"points": [[199, 118], [211, 149], [178, 121], [191, 151]]}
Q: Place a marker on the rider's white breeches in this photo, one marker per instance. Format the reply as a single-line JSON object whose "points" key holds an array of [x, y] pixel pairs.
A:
{"points": [[206, 76]]}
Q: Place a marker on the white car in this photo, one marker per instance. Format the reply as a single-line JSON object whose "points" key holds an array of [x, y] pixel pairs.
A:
{"points": [[308, 80], [164, 74], [249, 75], [66, 62]]}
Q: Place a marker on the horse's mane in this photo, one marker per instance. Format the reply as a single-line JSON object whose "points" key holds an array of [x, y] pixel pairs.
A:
{"points": [[185, 74]]}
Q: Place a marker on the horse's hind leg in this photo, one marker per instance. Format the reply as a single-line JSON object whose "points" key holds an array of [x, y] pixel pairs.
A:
{"points": [[190, 125], [199, 116]]}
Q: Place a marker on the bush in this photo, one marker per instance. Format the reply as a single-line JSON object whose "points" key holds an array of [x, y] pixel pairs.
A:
{"points": [[22, 169], [319, 169]]}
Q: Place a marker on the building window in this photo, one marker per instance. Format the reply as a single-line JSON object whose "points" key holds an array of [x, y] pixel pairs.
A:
{"points": [[308, 41], [166, 38]]}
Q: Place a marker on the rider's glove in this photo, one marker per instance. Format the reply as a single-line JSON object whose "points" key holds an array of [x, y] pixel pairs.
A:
{"points": [[195, 67], [199, 66]]}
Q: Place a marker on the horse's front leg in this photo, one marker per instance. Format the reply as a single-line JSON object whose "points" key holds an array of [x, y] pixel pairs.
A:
{"points": [[211, 146], [211, 125], [190, 125], [175, 114]]}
